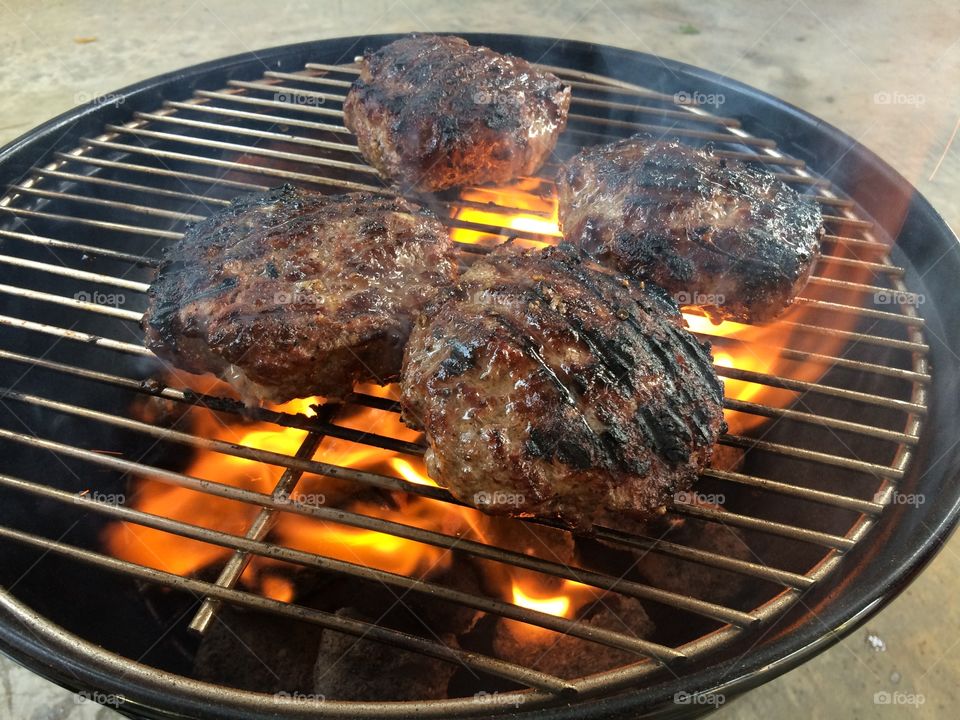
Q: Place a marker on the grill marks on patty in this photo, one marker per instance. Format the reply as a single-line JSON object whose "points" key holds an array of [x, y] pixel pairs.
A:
{"points": [[294, 293], [566, 390], [714, 232], [434, 112]]}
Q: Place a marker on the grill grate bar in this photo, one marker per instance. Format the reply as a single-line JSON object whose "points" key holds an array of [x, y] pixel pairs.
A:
{"points": [[161, 172], [885, 315], [230, 573], [822, 420], [237, 97], [243, 149], [684, 552], [249, 132], [342, 567], [391, 444], [78, 247], [803, 386], [142, 209], [311, 79], [768, 526], [70, 272], [524, 676], [848, 221], [859, 243], [913, 376], [818, 496], [303, 464], [675, 132], [76, 335], [230, 165], [280, 89], [203, 106], [847, 285], [863, 264], [103, 224], [316, 467], [867, 468], [40, 174], [75, 302]]}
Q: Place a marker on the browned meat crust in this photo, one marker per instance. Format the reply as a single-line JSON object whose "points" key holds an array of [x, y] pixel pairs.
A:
{"points": [[435, 112], [549, 388], [714, 232], [294, 293]]}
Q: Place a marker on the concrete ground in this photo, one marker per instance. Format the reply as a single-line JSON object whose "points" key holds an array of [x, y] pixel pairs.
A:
{"points": [[885, 72]]}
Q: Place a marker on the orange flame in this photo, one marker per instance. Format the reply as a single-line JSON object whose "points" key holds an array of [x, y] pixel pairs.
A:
{"points": [[528, 206], [522, 206]]}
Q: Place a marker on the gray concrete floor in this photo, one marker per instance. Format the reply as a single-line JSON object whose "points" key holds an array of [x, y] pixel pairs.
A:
{"points": [[838, 60]]}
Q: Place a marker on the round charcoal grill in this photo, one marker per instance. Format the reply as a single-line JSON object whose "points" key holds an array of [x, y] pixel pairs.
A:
{"points": [[821, 491]]}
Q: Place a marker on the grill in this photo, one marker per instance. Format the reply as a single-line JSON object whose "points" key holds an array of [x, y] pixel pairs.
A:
{"points": [[831, 422]]}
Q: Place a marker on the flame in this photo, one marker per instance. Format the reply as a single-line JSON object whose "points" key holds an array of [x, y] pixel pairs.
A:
{"points": [[528, 206], [521, 206], [384, 551], [558, 605]]}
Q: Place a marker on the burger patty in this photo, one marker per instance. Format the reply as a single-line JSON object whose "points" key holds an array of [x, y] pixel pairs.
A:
{"points": [[294, 293], [549, 388], [434, 112], [715, 233]]}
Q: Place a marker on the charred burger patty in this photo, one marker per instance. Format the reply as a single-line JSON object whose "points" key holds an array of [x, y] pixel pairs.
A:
{"points": [[293, 293], [714, 232], [549, 388], [435, 112]]}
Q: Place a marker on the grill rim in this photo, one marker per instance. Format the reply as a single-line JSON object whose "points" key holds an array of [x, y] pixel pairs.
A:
{"points": [[29, 151]]}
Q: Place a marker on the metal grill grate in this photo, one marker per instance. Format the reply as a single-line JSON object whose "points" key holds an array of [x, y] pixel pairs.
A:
{"points": [[138, 183]]}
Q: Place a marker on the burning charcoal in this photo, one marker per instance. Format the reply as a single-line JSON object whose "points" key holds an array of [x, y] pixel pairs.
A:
{"points": [[450, 617], [566, 656], [257, 652], [351, 668], [159, 411], [531, 539], [727, 457], [689, 578]]}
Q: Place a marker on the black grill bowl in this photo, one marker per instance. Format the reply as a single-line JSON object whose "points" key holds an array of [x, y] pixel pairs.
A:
{"points": [[55, 619]]}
